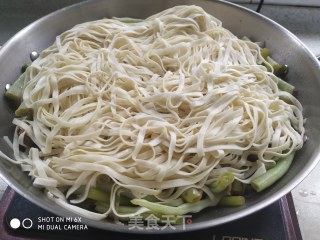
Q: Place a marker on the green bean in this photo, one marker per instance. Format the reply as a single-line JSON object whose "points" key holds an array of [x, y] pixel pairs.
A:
{"points": [[97, 194], [23, 111], [180, 210], [282, 71], [127, 209], [132, 210], [265, 52], [102, 206], [287, 87], [16, 90], [192, 195], [278, 69], [232, 201], [283, 85], [275, 65], [272, 175], [224, 180], [152, 198], [174, 203]]}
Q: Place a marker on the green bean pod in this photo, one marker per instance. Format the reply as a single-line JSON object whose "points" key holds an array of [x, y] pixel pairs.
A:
{"points": [[224, 180], [192, 195], [232, 201], [22, 111], [158, 208], [265, 52], [98, 195], [16, 90], [283, 85], [101, 206], [274, 174]]}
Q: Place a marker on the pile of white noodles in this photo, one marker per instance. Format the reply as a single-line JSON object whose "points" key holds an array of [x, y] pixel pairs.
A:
{"points": [[155, 107]]}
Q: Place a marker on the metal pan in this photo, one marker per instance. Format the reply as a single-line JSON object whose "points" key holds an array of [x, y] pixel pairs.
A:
{"points": [[304, 74]]}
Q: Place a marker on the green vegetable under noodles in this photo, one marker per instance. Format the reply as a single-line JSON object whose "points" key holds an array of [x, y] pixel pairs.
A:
{"points": [[265, 52], [16, 89], [101, 206], [192, 195], [98, 195], [22, 111], [232, 201], [180, 210], [283, 85], [272, 175], [223, 181]]}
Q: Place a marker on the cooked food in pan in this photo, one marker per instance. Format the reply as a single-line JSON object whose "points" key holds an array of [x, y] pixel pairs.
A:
{"points": [[168, 115]]}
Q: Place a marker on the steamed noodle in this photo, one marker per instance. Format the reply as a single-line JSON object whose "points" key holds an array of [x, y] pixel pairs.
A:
{"points": [[153, 107]]}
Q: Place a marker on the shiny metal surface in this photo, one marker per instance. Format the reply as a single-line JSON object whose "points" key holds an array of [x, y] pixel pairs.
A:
{"points": [[8, 85], [34, 55], [285, 47]]}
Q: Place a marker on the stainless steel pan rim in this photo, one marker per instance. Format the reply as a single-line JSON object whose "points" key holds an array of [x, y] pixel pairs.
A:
{"points": [[16, 52]]}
